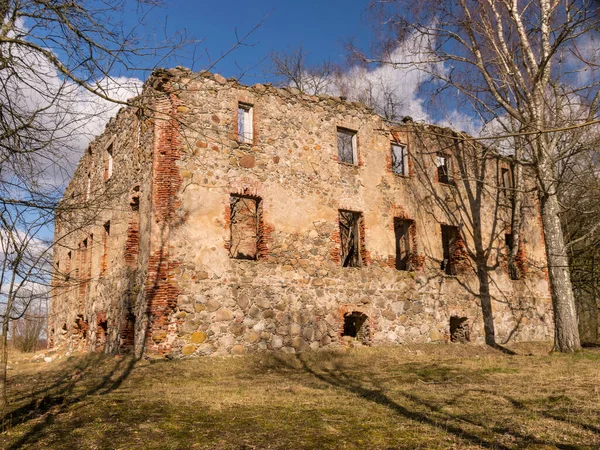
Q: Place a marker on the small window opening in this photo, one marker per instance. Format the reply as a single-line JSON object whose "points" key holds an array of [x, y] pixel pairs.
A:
{"points": [[244, 227], [401, 232], [507, 183], [88, 189], [513, 269], [349, 238], [108, 163], [346, 140], [105, 245], [449, 241], [356, 325], [245, 116], [508, 242], [444, 169], [399, 159], [459, 329], [101, 333], [68, 268], [135, 203]]}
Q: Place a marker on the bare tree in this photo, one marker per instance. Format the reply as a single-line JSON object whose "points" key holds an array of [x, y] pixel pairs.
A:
{"points": [[526, 69], [26, 333], [291, 68], [63, 68]]}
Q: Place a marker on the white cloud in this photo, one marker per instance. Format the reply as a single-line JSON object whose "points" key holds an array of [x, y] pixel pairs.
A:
{"points": [[63, 116]]}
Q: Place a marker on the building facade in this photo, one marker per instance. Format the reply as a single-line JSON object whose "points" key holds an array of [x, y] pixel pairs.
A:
{"points": [[216, 218]]}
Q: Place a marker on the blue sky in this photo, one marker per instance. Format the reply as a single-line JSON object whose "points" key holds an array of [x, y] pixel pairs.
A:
{"points": [[321, 27]]}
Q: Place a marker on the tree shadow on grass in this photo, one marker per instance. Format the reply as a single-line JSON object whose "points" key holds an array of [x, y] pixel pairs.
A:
{"points": [[424, 412], [87, 376]]}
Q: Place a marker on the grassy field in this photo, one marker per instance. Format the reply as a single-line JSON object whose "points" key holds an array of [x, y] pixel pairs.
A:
{"points": [[428, 396]]}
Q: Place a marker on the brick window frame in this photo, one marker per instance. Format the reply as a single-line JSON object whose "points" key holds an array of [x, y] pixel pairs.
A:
{"points": [[444, 176], [454, 254], [404, 159], [345, 132], [351, 235]]}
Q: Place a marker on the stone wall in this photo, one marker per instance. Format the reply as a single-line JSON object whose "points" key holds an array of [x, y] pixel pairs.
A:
{"points": [[191, 297]]}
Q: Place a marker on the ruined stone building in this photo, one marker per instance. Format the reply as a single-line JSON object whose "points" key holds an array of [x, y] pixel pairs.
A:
{"points": [[214, 218]]}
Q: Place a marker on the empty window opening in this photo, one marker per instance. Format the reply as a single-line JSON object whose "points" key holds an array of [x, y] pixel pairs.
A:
{"points": [[356, 325], [108, 162], [245, 116], [399, 159], [508, 242], [514, 270], [68, 268], [88, 189], [346, 140], [244, 227], [105, 245], [449, 245], [135, 199], [459, 329], [402, 235], [444, 170], [350, 238], [507, 182], [101, 333]]}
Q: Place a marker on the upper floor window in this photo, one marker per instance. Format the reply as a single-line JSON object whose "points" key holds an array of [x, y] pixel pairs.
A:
{"points": [[88, 189], [506, 182], [346, 141], [444, 168], [108, 162], [399, 159], [245, 131]]}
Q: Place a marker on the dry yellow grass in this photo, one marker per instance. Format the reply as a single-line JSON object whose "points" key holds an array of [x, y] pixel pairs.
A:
{"points": [[428, 396]]}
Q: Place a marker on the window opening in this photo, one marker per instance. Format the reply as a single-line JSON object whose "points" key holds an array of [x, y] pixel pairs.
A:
{"points": [[108, 163], [506, 180], [459, 329], [514, 269], [88, 189], [105, 242], [443, 168], [349, 238], [346, 140], [399, 159], [449, 241], [244, 227], [245, 131], [101, 332], [356, 325], [401, 232]]}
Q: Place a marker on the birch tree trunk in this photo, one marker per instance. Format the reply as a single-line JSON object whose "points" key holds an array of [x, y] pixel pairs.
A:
{"points": [[566, 332]]}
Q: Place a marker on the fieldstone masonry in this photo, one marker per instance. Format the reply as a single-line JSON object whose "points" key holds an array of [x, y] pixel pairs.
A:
{"points": [[215, 235]]}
